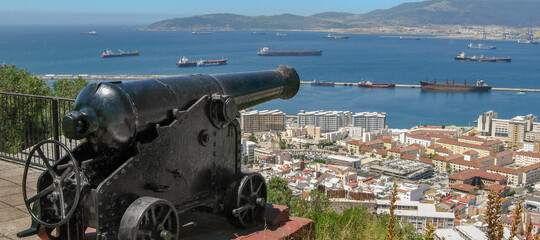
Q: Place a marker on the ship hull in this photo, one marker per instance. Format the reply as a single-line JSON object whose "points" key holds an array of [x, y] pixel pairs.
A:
{"points": [[208, 63], [482, 59], [441, 87], [120, 55], [379, 85], [187, 64], [291, 53]]}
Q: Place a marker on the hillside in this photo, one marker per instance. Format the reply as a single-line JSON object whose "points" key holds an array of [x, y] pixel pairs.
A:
{"points": [[515, 13]]}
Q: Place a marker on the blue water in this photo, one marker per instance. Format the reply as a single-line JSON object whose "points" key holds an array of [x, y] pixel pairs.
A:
{"points": [[378, 58]]}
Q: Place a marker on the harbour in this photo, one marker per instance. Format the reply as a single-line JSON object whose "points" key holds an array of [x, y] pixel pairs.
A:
{"points": [[136, 77]]}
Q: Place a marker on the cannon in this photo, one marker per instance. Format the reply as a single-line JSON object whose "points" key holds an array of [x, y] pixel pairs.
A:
{"points": [[150, 150]]}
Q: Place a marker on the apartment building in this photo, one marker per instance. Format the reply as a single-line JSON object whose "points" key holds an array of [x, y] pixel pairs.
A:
{"points": [[328, 121], [370, 121], [527, 158], [484, 122], [258, 121], [420, 139], [461, 147]]}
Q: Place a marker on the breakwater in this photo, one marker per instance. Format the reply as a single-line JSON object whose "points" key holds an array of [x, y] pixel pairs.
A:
{"points": [[418, 86]]}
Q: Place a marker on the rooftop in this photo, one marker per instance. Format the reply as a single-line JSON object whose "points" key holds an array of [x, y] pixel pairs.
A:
{"points": [[471, 173]]}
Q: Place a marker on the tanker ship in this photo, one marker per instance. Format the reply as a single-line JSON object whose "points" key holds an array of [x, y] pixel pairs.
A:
{"points": [[462, 57], [480, 86], [480, 46], [184, 62], [266, 52], [321, 83], [108, 54], [369, 84]]}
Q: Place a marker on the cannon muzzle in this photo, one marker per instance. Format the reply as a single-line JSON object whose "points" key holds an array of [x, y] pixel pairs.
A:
{"points": [[113, 114]]}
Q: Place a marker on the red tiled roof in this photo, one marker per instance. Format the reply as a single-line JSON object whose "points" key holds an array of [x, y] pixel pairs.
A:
{"points": [[434, 146], [497, 187], [462, 199], [407, 156], [463, 144], [418, 136], [503, 169], [443, 150], [382, 152], [416, 145], [412, 147], [356, 142], [470, 152], [530, 167], [425, 160], [448, 158], [529, 154], [436, 135], [491, 143], [366, 149], [374, 142], [471, 173], [463, 187], [507, 152], [473, 163]]}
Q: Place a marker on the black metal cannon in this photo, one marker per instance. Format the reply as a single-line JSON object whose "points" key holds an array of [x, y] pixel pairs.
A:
{"points": [[152, 149]]}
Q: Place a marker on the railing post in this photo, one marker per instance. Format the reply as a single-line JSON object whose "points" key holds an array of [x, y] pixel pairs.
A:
{"points": [[56, 129]]}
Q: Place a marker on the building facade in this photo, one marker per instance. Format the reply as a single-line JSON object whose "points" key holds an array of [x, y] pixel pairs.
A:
{"points": [[258, 121], [370, 121]]}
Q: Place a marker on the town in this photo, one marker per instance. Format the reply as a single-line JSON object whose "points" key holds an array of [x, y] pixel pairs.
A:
{"points": [[443, 173]]}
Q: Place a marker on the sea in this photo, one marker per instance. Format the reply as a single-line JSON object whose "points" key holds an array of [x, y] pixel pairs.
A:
{"points": [[379, 58]]}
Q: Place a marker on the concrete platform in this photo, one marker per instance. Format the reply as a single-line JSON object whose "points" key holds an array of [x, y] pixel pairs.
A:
{"points": [[197, 225]]}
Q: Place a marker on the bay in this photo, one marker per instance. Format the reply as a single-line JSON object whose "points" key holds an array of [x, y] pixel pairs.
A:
{"points": [[377, 58]]}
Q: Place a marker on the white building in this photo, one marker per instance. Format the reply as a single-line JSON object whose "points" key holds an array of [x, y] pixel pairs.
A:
{"points": [[418, 214], [420, 139], [484, 122], [328, 121], [369, 120], [258, 121], [411, 192], [248, 149]]}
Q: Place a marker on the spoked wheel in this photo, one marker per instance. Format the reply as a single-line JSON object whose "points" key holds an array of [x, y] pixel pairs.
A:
{"points": [[245, 202], [57, 202], [149, 218]]}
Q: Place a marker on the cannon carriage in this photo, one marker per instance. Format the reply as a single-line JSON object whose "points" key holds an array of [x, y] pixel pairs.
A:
{"points": [[152, 149]]}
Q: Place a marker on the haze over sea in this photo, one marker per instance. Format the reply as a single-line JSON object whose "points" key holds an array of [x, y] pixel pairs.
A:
{"points": [[377, 58]]}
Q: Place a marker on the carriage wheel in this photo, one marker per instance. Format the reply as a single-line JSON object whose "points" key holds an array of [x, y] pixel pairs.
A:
{"points": [[62, 195], [245, 202], [149, 218]]}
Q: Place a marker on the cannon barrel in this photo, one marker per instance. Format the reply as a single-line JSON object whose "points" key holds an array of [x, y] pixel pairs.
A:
{"points": [[111, 115]]}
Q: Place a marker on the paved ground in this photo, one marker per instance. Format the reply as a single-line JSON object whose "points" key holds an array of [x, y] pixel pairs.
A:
{"points": [[13, 214]]}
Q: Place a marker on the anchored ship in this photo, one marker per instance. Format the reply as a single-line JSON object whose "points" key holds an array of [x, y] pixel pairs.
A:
{"points": [[4, 65], [369, 84], [201, 33], [321, 83], [336, 36], [184, 62], [89, 33], [109, 54], [409, 38], [462, 57], [206, 63], [266, 52], [480, 46], [480, 86]]}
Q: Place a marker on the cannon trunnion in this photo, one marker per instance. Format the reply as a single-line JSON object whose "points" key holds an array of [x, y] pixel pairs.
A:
{"points": [[153, 149]]}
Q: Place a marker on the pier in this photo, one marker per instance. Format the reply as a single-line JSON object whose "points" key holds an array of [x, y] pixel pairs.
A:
{"points": [[418, 86], [135, 77]]}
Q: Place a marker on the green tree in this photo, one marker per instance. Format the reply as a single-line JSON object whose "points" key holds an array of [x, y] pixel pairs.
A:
{"points": [[23, 119], [448, 168], [69, 88], [279, 192], [252, 138], [282, 145], [318, 160]]}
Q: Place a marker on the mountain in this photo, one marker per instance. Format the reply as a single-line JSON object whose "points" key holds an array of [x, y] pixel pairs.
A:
{"points": [[512, 13], [238, 22]]}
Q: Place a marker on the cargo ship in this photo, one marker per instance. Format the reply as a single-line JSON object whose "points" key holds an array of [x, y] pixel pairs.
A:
{"points": [[201, 33], [206, 63], [109, 54], [480, 86], [266, 52], [408, 38], [369, 84], [462, 57], [184, 62], [480, 46], [336, 36], [89, 33], [321, 83]]}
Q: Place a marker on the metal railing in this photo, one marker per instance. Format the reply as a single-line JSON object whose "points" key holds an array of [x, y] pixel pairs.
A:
{"points": [[25, 120]]}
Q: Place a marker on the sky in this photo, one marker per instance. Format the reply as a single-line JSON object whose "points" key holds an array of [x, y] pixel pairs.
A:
{"points": [[15, 12]]}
